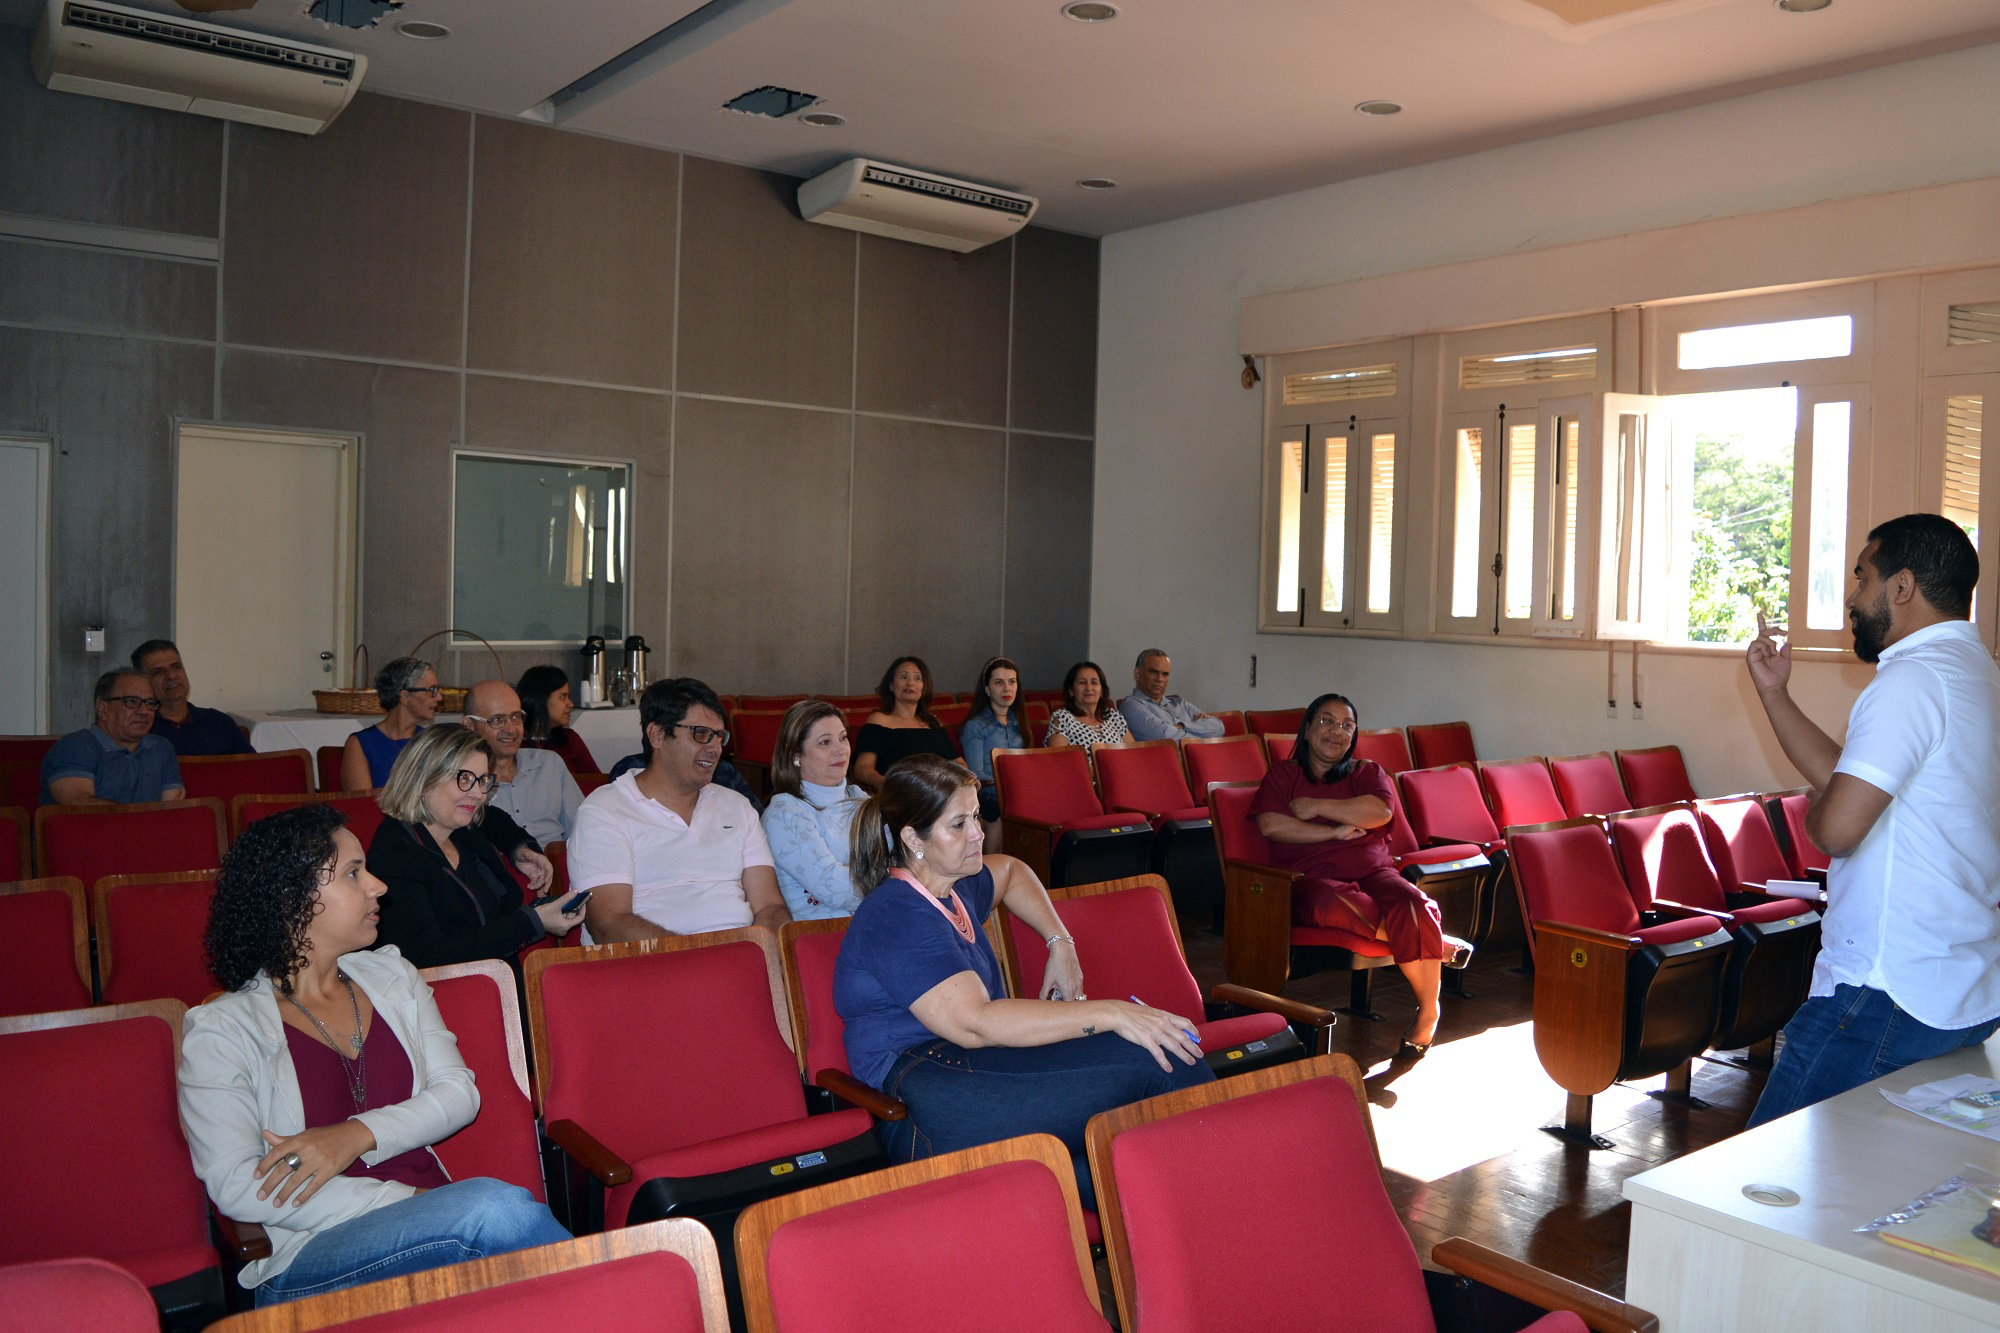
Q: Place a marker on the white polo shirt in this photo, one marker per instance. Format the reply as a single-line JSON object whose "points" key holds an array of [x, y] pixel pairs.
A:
{"points": [[685, 877], [1915, 911]]}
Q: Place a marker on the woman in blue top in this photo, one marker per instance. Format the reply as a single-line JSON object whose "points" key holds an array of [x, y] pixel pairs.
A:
{"points": [[992, 725], [408, 689], [926, 1014]]}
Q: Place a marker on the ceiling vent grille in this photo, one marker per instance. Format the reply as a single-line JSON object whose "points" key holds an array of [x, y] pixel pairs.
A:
{"points": [[1341, 386], [1560, 363], [1975, 324]]}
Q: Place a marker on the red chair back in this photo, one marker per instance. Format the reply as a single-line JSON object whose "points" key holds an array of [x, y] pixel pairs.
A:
{"points": [[21, 785], [1223, 759], [1741, 842], [149, 930], [1519, 791], [478, 1003], [364, 815], [328, 763], [1444, 805], [950, 716], [1236, 834], [1035, 721], [227, 776], [1568, 874], [79, 1294], [810, 949], [97, 1086], [753, 735], [1049, 785], [1233, 723], [91, 842], [1655, 777], [1663, 857], [15, 862], [48, 947], [843, 702], [1125, 939], [772, 703], [1275, 721], [1145, 777], [1279, 745], [1588, 784], [1436, 743], [1387, 746], [26, 749], [1799, 849]]}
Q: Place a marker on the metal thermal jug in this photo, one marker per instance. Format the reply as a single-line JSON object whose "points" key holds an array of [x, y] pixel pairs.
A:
{"points": [[635, 663], [593, 670]]}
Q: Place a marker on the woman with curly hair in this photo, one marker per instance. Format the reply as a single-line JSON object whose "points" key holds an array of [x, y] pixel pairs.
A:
{"points": [[312, 1091]]}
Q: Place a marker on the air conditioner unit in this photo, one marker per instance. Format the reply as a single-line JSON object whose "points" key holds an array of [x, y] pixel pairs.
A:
{"points": [[134, 55], [912, 205]]}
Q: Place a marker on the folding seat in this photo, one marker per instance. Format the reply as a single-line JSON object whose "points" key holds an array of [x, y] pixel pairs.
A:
{"points": [[48, 946], [227, 776], [1053, 698], [1387, 746], [1459, 877], [663, 1276], [769, 703], [1275, 721], [90, 1097], [1129, 944], [1588, 784], [1279, 745], [1035, 721], [92, 841], [20, 784], [1276, 1175], [1655, 776], [985, 1240], [808, 951], [1519, 791], [364, 814], [846, 701], [479, 1002], [1446, 809], [149, 930], [1787, 810], [1433, 744], [1146, 779], [76, 1294], [665, 1075], [951, 716], [1212, 759], [1233, 723], [753, 736], [1259, 935], [327, 765], [15, 860], [1620, 993], [26, 749], [1772, 939], [1050, 818], [1742, 845]]}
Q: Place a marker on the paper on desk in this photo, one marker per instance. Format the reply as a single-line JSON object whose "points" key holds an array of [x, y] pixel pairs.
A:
{"points": [[1932, 1101]]}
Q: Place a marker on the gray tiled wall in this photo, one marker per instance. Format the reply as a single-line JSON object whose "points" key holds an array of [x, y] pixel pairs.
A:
{"points": [[846, 447]]}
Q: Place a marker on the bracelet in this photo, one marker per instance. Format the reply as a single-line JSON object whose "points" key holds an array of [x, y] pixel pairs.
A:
{"points": [[1050, 941]]}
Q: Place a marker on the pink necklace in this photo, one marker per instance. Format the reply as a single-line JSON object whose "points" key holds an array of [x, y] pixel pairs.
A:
{"points": [[961, 920]]}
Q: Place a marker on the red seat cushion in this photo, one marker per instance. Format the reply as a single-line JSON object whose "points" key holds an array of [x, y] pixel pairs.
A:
{"points": [[1329, 937], [82, 1294], [1782, 910], [656, 1291], [1678, 931], [807, 1134], [1225, 1032]]}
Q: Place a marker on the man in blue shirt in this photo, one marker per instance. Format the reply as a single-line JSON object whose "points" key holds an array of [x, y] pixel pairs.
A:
{"points": [[119, 761], [190, 730], [1155, 715]]}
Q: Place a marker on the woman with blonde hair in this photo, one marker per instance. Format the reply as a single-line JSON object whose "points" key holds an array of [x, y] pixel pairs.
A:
{"points": [[811, 811]]}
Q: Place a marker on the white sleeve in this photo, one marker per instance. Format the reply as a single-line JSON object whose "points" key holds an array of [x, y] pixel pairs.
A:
{"points": [[1897, 723]]}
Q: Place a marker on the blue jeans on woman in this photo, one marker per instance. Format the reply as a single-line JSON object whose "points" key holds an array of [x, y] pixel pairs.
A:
{"points": [[1851, 1037], [960, 1098], [467, 1219]]}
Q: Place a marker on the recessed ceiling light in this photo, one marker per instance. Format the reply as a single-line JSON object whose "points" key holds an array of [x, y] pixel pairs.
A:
{"points": [[1097, 183], [1803, 6], [422, 31], [1378, 108], [824, 120], [1089, 11]]}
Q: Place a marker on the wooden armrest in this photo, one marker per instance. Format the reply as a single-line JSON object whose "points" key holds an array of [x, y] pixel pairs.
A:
{"points": [[856, 1093], [1292, 1011], [1605, 1314], [1589, 934], [246, 1240], [592, 1156]]}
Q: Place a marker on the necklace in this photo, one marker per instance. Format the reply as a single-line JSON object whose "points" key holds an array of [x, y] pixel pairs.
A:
{"points": [[961, 920], [355, 1069]]}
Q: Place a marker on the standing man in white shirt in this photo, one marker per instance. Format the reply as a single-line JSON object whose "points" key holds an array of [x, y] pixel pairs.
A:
{"points": [[1909, 964], [663, 849]]}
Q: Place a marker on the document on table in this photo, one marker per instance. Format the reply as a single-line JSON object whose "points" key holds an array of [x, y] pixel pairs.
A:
{"points": [[1955, 1102]]}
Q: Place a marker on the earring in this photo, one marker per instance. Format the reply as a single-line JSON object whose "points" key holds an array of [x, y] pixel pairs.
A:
{"points": [[920, 856]]}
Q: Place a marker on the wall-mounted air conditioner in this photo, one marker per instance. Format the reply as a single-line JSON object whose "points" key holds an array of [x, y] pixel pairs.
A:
{"points": [[913, 205], [134, 55]]}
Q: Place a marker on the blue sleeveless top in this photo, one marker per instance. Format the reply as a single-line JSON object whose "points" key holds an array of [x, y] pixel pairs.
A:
{"points": [[381, 752]]}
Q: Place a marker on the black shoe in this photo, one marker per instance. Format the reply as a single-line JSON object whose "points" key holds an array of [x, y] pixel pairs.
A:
{"points": [[1412, 1050]]}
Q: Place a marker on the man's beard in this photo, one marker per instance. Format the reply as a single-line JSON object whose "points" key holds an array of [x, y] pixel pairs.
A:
{"points": [[1871, 631]]}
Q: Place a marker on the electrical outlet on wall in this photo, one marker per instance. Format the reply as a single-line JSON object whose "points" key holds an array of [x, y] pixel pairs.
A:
{"points": [[1611, 709], [93, 638]]}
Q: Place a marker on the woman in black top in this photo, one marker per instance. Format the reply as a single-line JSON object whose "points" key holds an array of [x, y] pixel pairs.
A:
{"points": [[451, 898], [902, 727]]}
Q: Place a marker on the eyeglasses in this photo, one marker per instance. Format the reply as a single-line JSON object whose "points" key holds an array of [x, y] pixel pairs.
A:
{"points": [[467, 780], [498, 719], [135, 701], [1323, 721], [703, 735], [423, 689]]}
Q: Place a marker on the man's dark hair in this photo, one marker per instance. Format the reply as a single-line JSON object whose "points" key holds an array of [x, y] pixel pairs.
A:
{"points": [[1938, 555], [148, 648], [666, 702], [108, 682]]}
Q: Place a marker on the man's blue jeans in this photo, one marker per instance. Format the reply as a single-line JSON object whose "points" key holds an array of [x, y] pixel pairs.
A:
{"points": [[467, 1219], [960, 1098], [1853, 1036]]}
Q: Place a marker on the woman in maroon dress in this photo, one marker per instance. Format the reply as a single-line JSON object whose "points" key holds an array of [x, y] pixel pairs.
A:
{"points": [[1326, 814]]}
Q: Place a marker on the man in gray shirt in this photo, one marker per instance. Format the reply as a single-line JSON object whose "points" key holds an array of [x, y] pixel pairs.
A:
{"points": [[533, 786], [1155, 715]]}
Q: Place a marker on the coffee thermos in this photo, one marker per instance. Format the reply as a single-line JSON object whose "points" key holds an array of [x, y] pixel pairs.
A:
{"points": [[592, 686], [635, 664]]}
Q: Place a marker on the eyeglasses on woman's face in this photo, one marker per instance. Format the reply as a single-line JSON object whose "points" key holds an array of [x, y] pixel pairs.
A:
{"points": [[1333, 721], [467, 780]]}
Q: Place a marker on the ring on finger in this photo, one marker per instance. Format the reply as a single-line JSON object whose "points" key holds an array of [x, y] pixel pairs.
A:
{"points": [[291, 1160]]}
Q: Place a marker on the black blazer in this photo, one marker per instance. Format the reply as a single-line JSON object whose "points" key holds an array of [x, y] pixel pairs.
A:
{"points": [[435, 916]]}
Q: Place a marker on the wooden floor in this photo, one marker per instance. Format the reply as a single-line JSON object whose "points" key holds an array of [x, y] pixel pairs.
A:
{"points": [[1460, 1131]]}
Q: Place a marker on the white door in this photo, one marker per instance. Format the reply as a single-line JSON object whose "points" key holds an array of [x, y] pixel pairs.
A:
{"points": [[24, 586], [264, 561]]}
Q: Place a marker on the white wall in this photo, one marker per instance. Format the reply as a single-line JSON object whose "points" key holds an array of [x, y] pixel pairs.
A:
{"points": [[1177, 499]]}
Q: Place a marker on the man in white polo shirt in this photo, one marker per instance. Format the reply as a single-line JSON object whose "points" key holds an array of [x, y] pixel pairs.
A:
{"points": [[663, 850], [1909, 964]]}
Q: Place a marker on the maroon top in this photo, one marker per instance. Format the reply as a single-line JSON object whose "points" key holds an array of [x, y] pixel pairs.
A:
{"points": [[1350, 860], [323, 1089], [576, 756]]}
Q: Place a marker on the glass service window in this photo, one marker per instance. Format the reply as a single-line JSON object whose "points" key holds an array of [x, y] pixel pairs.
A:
{"points": [[541, 548]]}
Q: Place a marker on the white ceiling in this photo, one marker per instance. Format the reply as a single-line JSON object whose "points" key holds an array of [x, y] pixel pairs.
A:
{"points": [[1188, 104]]}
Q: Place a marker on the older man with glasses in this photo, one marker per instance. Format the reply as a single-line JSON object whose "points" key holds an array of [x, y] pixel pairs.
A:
{"points": [[533, 786], [119, 761]]}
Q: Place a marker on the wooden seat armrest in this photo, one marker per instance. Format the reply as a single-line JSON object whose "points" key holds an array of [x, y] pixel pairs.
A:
{"points": [[1605, 1314], [588, 1153], [1258, 868], [1589, 934], [246, 1240], [856, 1093], [1292, 1011]]}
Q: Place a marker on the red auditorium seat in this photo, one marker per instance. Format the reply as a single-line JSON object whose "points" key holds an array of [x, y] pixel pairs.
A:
{"points": [[47, 930], [846, 701], [20, 785], [1655, 776], [1588, 784], [1051, 819], [1788, 816], [26, 749], [364, 815], [1446, 809], [1519, 791], [1233, 724], [808, 950], [1279, 746], [864, 1253], [227, 776], [1212, 759], [1276, 1174], [149, 930], [1741, 842], [753, 737], [1387, 746], [92, 841], [1035, 722], [1460, 877], [1275, 721], [951, 716], [479, 1004], [80, 1294], [15, 860], [771, 703], [327, 765], [1433, 744], [1147, 779]]}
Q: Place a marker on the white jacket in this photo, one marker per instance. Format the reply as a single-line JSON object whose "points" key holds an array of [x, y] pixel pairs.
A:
{"points": [[237, 1080]]}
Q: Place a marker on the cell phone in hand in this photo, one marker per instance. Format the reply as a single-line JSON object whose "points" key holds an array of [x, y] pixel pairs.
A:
{"points": [[577, 902]]}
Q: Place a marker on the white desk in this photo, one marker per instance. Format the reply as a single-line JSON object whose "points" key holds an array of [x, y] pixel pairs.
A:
{"points": [[611, 733], [1706, 1259]]}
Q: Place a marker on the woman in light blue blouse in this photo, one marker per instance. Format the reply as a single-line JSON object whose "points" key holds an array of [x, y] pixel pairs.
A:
{"points": [[808, 819], [992, 725]]}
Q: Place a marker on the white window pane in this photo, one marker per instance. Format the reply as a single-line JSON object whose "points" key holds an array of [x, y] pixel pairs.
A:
{"points": [[1333, 570], [1519, 596], [1465, 550], [1737, 548], [1757, 344], [1628, 518], [1826, 554], [1964, 431], [1291, 483], [1567, 497], [1381, 520]]}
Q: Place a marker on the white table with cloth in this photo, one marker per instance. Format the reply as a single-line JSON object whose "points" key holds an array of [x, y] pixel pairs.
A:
{"points": [[611, 733]]}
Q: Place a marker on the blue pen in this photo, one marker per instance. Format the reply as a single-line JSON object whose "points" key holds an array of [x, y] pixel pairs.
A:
{"points": [[1191, 1035]]}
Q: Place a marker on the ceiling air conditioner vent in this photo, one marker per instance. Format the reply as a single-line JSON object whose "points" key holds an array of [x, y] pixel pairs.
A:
{"points": [[912, 205]]}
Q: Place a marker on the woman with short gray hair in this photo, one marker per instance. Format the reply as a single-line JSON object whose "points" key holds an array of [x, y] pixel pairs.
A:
{"points": [[408, 689]]}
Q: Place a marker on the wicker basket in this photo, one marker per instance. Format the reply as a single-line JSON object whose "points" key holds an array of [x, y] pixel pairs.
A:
{"points": [[451, 698], [358, 701]]}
